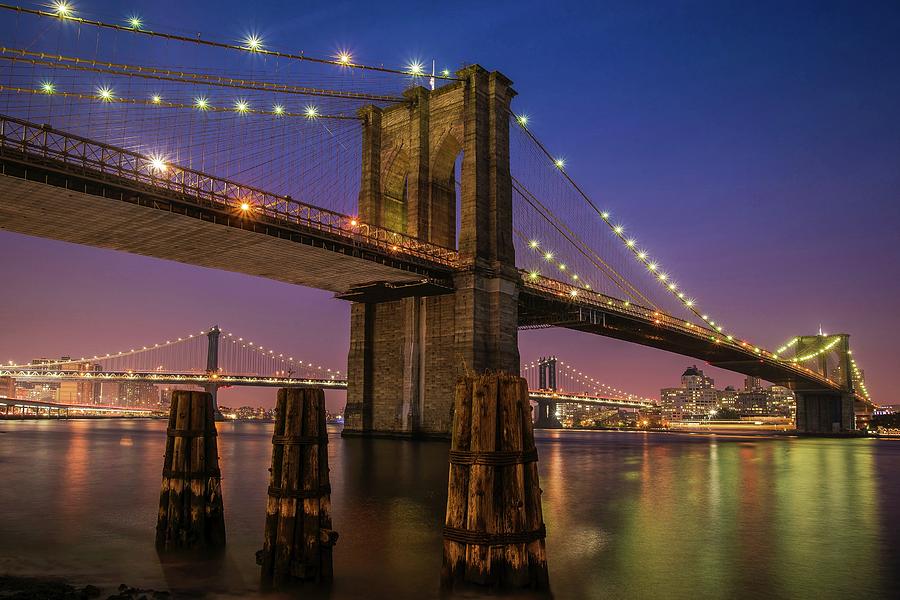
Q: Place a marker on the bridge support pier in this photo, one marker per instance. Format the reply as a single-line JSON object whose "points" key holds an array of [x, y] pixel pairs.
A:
{"points": [[494, 527], [191, 514], [298, 538], [406, 355], [546, 416], [825, 413]]}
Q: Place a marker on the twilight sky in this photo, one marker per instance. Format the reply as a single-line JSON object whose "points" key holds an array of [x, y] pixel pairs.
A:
{"points": [[755, 146]]}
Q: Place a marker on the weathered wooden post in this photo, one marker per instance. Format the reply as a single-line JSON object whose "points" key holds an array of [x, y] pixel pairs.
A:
{"points": [[298, 538], [494, 529], [191, 514]]}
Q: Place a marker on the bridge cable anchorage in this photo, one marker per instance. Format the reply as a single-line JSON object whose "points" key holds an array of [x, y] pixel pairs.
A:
{"points": [[59, 61], [250, 44], [617, 230], [237, 109]]}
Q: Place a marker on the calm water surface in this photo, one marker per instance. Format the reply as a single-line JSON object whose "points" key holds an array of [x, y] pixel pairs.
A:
{"points": [[628, 515]]}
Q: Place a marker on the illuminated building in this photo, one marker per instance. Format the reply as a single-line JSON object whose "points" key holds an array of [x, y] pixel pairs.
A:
{"points": [[7, 387], [137, 394]]}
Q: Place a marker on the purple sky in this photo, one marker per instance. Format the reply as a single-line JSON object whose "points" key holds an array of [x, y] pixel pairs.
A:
{"points": [[754, 146]]}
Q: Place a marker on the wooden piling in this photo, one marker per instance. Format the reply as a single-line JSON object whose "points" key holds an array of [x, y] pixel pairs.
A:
{"points": [[191, 514], [494, 529], [298, 537]]}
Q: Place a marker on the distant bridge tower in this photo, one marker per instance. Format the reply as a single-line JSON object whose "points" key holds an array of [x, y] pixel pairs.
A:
{"points": [[827, 411], [212, 362], [546, 414], [408, 348]]}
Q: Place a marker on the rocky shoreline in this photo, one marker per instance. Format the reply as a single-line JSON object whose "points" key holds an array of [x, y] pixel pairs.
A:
{"points": [[50, 588]]}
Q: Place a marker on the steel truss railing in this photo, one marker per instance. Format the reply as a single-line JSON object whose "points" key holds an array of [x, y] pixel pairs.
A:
{"points": [[77, 151], [578, 295]]}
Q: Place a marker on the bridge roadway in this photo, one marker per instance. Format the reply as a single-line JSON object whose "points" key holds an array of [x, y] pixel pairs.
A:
{"points": [[204, 379], [69, 188]]}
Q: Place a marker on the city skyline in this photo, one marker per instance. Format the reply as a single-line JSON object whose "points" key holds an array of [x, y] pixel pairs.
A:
{"points": [[745, 213]]}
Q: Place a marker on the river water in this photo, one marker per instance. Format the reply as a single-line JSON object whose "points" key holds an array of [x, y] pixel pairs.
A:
{"points": [[629, 515]]}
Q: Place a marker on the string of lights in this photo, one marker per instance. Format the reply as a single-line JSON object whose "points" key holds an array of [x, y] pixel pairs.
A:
{"points": [[250, 43], [116, 355], [270, 354], [60, 61], [107, 95], [619, 230]]}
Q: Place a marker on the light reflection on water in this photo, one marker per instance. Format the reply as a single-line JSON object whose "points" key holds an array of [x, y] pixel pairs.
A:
{"points": [[628, 515]]}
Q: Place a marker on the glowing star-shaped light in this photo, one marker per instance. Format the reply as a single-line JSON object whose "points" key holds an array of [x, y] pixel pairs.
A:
{"points": [[415, 68], [156, 99], [560, 163], [201, 103], [642, 255], [652, 266], [630, 243], [135, 22], [344, 58], [533, 244], [278, 109], [548, 256], [47, 87], [605, 216], [573, 293], [618, 229], [311, 112], [105, 93], [158, 164], [245, 206], [63, 10], [522, 119], [445, 73], [253, 43], [533, 275], [241, 107]]}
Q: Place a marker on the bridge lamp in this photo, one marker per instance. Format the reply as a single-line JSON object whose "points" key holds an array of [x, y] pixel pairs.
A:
{"points": [[560, 163], [522, 119], [562, 267], [201, 103], [533, 275], [253, 43], [158, 165], [548, 256], [415, 68], [156, 99], [618, 229], [105, 93], [642, 255], [652, 266], [605, 216], [63, 10], [344, 58], [311, 112], [445, 73], [135, 22], [245, 207], [353, 223], [630, 243], [241, 107], [573, 293], [278, 110], [533, 244]]}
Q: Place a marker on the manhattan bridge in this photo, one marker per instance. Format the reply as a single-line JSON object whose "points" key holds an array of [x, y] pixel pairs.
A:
{"points": [[419, 194]]}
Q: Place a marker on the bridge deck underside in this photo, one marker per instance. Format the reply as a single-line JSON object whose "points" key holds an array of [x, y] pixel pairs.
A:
{"points": [[43, 202], [538, 309]]}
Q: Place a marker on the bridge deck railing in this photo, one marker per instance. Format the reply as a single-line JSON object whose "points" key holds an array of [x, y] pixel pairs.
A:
{"points": [[77, 151], [608, 303]]}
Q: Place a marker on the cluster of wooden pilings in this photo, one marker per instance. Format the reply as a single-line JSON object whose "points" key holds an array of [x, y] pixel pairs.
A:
{"points": [[494, 529], [298, 538], [191, 513]]}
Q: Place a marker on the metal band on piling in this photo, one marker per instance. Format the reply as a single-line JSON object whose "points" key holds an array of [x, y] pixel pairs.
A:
{"points": [[485, 538], [494, 459]]}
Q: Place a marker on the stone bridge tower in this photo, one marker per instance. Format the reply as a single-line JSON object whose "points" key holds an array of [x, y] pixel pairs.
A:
{"points": [[406, 354]]}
